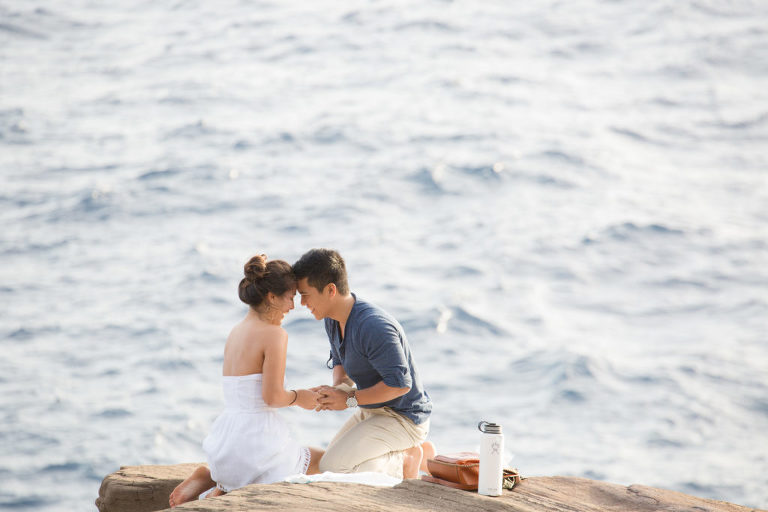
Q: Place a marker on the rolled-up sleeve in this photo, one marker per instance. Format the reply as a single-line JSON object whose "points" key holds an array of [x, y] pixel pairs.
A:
{"points": [[385, 353]]}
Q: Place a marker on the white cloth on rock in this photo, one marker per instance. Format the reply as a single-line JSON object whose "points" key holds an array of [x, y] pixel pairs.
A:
{"points": [[366, 477]]}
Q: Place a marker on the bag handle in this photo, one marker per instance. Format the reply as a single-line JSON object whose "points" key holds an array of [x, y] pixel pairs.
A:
{"points": [[510, 478]]}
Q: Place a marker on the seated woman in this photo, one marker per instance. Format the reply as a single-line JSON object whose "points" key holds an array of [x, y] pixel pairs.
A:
{"points": [[249, 442]]}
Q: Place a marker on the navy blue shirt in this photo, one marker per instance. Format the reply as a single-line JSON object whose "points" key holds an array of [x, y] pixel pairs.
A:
{"points": [[375, 349]]}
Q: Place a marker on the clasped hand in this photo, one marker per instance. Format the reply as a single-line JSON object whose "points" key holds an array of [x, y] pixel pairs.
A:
{"points": [[329, 398]]}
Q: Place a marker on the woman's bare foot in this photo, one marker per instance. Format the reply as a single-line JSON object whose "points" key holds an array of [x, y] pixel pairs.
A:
{"points": [[411, 462], [198, 482], [428, 452]]}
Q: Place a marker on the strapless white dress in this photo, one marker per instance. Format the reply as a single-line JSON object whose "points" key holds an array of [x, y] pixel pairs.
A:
{"points": [[249, 442]]}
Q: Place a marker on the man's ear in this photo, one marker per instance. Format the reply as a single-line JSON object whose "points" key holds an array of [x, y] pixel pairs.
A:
{"points": [[331, 287]]}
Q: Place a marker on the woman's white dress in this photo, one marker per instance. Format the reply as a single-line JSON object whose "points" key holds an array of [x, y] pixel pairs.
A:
{"points": [[249, 442]]}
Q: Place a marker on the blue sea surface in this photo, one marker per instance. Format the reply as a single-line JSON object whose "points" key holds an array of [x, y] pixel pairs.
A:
{"points": [[564, 203]]}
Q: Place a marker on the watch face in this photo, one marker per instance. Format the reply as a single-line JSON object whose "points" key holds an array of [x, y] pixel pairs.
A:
{"points": [[351, 402]]}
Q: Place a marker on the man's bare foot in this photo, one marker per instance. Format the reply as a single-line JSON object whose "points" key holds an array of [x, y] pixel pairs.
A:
{"points": [[216, 492], [411, 462], [428, 452], [198, 482]]}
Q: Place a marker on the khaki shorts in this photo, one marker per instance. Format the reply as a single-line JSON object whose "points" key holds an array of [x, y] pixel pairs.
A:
{"points": [[373, 440]]}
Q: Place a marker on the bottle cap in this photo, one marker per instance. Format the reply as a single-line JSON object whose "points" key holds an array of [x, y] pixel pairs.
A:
{"points": [[487, 427]]}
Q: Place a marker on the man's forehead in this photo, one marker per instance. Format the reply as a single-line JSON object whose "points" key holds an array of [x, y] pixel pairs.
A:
{"points": [[302, 286]]}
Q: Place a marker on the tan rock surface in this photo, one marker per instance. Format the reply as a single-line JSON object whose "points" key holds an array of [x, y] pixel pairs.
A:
{"points": [[141, 488], [145, 488]]}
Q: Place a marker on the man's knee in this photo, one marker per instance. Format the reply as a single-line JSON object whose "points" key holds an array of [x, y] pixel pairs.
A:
{"points": [[334, 461], [390, 463]]}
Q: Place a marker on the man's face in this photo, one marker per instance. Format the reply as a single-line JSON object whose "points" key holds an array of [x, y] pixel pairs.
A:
{"points": [[313, 299]]}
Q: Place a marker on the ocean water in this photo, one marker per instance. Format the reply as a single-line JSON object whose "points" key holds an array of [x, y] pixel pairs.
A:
{"points": [[564, 203]]}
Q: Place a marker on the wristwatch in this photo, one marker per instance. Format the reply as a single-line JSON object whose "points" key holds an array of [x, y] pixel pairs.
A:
{"points": [[351, 400]]}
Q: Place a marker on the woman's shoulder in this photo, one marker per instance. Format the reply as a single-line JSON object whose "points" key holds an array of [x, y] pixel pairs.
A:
{"points": [[253, 332], [272, 334], [275, 330]]}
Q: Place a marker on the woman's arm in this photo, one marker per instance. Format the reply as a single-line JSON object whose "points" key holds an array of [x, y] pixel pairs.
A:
{"points": [[273, 391], [306, 398], [273, 370]]}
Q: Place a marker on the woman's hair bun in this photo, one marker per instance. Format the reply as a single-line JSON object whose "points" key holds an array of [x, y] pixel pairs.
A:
{"points": [[256, 267], [262, 277]]}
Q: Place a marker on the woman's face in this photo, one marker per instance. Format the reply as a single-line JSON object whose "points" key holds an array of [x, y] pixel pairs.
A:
{"points": [[284, 302]]}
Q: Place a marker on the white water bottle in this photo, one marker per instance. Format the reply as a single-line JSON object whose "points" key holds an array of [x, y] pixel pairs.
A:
{"points": [[491, 450]]}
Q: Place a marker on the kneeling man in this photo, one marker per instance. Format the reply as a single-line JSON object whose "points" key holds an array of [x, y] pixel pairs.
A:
{"points": [[373, 371]]}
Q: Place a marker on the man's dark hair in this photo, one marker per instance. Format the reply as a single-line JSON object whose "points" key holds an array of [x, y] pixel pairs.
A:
{"points": [[322, 267]]}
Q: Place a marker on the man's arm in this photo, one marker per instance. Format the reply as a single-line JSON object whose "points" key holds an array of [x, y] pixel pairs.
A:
{"points": [[377, 394], [340, 376], [336, 400], [384, 351]]}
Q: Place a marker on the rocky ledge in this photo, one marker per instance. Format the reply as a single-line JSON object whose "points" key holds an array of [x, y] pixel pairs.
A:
{"points": [[146, 488]]}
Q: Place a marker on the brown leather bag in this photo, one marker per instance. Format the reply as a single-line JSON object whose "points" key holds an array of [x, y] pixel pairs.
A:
{"points": [[457, 470], [461, 471]]}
